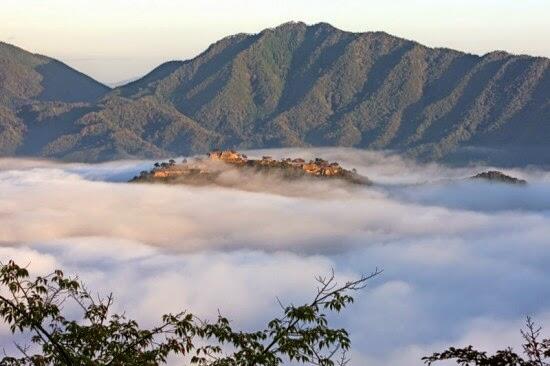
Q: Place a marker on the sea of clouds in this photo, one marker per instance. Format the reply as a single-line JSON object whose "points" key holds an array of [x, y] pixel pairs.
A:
{"points": [[464, 261]]}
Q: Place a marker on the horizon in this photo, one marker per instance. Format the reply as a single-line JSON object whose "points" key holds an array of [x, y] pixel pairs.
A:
{"points": [[121, 82], [113, 43]]}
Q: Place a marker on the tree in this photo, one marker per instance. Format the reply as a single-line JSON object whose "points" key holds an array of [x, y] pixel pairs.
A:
{"points": [[536, 352], [301, 334]]}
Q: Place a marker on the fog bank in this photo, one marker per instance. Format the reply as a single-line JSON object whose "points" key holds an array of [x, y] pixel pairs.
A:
{"points": [[463, 261]]}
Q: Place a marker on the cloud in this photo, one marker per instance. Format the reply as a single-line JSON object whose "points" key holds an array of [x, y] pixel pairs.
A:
{"points": [[487, 333], [462, 260]]}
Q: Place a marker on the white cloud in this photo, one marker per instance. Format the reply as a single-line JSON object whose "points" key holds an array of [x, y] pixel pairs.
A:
{"points": [[463, 262]]}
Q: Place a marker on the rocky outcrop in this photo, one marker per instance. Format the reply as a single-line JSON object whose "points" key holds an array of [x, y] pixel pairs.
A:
{"points": [[203, 171], [494, 176]]}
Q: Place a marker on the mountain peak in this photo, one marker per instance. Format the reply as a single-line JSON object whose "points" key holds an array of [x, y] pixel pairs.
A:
{"points": [[294, 85], [326, 26], [290, 25], [27, 77], [302, 26]]}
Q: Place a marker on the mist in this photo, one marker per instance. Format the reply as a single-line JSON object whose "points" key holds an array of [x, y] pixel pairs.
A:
{"points": [[464, 261]]}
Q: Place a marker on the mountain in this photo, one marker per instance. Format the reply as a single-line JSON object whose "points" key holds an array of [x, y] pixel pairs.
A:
{"points": [[32, 84], [25, 76], [116, 84], [299, 85]]}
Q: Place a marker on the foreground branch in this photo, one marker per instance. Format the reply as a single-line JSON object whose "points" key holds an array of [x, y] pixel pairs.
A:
{"points": [[301, 334]]}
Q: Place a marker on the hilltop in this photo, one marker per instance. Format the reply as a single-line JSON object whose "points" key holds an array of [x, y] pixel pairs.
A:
{"points": [[219, 163], [494, 176], [296, 86]]}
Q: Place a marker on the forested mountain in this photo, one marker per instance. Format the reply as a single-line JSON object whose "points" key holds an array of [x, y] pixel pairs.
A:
{"points": [[32, 85], [294, 85]]}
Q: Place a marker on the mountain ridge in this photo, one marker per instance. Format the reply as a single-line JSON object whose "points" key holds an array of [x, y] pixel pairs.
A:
{"points": [[299, 85], [48, 67]]}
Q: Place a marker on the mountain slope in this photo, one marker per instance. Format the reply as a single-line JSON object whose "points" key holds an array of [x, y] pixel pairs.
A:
{"points": [[298, 85], [34, 88], [25, 76]]}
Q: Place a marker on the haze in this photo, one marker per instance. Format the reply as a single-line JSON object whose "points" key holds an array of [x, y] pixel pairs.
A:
{"points": [[117, 40], [463, 261]]}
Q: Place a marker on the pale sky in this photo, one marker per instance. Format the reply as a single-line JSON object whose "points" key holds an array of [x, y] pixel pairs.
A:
{"points": [[116, 40]]}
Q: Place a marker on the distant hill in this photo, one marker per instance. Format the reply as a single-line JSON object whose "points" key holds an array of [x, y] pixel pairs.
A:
{"points": [[33, 88], [28, 77], [117, 84], [294, 85]]}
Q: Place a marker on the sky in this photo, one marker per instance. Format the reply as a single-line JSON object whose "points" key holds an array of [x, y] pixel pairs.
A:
{"points": [[117, 40], [463, 261]]}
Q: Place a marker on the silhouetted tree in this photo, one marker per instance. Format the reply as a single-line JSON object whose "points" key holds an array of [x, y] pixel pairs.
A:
{"points": [[301, 334], [536, 352]]}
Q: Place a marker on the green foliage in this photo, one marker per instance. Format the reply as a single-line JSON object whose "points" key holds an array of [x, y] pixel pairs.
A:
{"points": [[100, 337]]}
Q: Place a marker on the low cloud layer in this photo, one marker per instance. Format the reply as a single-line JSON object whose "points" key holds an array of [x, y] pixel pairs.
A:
{"points": [[463, 260]]}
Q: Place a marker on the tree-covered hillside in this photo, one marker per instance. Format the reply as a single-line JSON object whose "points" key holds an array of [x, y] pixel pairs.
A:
{"points": [[35, 88], [299, 85]]}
